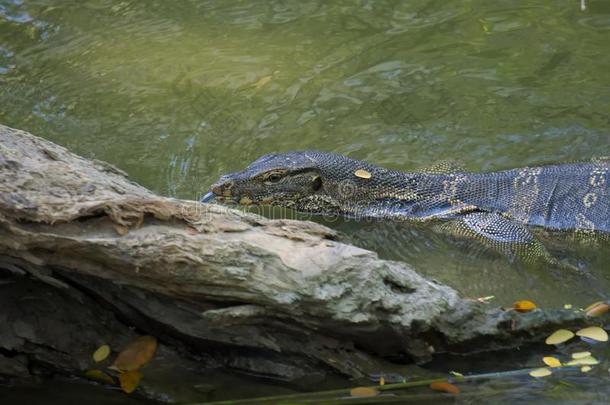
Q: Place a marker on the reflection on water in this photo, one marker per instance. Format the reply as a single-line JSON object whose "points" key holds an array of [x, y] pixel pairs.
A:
{"points": [[178, 93]]}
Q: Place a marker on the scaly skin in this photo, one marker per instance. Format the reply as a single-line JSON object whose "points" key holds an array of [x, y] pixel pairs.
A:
{"points": [[496, 208]]}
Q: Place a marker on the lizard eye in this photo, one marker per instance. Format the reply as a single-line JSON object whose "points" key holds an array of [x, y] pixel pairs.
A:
{"points": [[274, 177]]}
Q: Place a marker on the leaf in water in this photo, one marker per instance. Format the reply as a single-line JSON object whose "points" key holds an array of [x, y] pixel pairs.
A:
{"points": [[100, 376], [262, 82], [445, 387], [559, 336], [593, 332], [540, 372], [136, 354], [363, 174], [456, 374], [580, 355], [586, 369], [485, 300], [551, 361], [597, 309], [363, 392], [101, 353], [567, 306], [524, 306], [584, 361], [130, 380]]}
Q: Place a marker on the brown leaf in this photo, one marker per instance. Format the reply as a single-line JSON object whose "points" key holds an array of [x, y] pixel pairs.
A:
{"points": [[130, 380], [597, 309], [121, 230], [363, 392], [136, 354], [445, 387]]}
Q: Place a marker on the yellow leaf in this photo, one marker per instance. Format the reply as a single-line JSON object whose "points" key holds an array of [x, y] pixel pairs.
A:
{"points": [[363, 392], [136, 354], [100, 376], [567, 306], [593, 332], [381, 380], [559, 336], [585, 369], [540, 372], [363, 174], [585, 361], [262, 82], [101, 353], [580, 355], [455, 373], [597, 309], [130, 380], [524, 306], [551, 361], [445, 387]]}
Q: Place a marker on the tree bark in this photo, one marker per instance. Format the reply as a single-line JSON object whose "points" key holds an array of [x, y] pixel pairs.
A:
{"points": [[86, 253]]}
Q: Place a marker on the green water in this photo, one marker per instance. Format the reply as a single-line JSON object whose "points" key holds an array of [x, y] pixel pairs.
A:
{"points": [[177, 93]]}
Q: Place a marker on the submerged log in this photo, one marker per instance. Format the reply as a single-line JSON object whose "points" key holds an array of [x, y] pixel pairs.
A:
{"points": [[96, 253]]}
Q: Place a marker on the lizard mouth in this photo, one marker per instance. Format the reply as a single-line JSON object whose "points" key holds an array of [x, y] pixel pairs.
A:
{"points": [[230, 199]]}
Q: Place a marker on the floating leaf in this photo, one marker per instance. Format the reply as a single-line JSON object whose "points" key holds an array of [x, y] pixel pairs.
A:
{"points": [[455, 373], [136, 354], [586, 369], [559, 336], [445, 387], [585, 361], [100, 376], [524, 306], [540, 372], [262, 81], [101, 353], [580, 355], [551, 361], [567, 306], [363, 392], [597, 309], [130, 380], [593, 332], [363, 174]]}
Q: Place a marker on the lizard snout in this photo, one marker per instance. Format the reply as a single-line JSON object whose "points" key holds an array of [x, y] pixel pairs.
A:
{"points": [[222, 188]]}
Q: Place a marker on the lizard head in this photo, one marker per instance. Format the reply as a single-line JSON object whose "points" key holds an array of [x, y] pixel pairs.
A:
{"points": [[285, 179]]}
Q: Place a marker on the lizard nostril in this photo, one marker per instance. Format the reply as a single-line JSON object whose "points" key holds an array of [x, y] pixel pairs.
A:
{"points": [[228, 185]]}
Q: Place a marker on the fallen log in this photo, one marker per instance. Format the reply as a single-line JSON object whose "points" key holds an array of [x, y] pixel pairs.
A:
{"points": [[97, 253]]}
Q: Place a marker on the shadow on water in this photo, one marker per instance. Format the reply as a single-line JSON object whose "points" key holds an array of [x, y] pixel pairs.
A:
{"points": [[178, 93]]}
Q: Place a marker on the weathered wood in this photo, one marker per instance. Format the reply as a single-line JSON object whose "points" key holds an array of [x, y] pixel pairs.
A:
{"points": [[273, 297]]}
